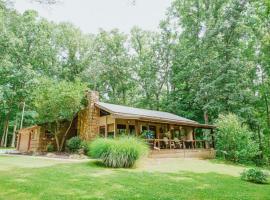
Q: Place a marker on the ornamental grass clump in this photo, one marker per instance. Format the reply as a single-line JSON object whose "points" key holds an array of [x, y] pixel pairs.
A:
{"points": [[118, 153], [255, 175]]}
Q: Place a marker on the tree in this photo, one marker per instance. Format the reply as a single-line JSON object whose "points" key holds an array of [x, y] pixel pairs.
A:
{"points": [[110, 67], [56, 101], [234, 140], [215, 45], [151, 63], [73, 49]]}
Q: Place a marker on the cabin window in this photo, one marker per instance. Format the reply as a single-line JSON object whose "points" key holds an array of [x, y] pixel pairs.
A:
{"points": [[131, 129], [102, 131], [144, 128], [121, 129]]}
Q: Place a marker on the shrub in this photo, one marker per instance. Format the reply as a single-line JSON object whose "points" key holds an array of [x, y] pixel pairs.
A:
{"points": [[121, 152], [254, 175], [74, 144], [84, 147], [234, 140], [50, 148]]}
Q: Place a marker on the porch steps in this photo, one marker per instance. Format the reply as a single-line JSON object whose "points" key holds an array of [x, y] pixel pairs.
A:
{"points": [[182, 153]]}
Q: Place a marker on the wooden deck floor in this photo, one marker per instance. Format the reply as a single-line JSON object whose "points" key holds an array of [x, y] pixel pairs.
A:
{"points": [[183, 153]]}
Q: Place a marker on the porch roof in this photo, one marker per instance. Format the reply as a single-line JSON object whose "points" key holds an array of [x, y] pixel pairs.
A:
{"points": [[144, 114]]}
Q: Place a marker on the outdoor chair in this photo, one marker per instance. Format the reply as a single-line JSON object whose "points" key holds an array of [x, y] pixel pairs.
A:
{"points": [[177, 143], [172, 144], [166, 142]]}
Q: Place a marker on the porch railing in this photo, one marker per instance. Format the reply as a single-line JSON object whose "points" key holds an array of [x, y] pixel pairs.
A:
{"points": [[179, 144]]}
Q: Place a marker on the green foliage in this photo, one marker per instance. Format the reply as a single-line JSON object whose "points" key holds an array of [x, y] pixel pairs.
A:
{"points": [[58, 101], [50, 148], [74, 144], [255, 175], [234, 140], [147, 134], [99, 147], [85, 147], [121, 152], [63, 98]]}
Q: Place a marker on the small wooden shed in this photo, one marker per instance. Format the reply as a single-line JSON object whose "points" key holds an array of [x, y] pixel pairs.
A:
{"points": [[28, 139]]}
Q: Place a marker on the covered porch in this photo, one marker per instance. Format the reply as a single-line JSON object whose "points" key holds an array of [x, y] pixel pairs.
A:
{"points": [[160, 135]]}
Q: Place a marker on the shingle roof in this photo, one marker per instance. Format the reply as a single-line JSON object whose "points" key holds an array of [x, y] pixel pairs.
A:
{"points": [[138, 113]]}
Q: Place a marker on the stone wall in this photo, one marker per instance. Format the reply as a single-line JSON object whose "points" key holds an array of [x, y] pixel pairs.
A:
{"points": [[88, 119]]}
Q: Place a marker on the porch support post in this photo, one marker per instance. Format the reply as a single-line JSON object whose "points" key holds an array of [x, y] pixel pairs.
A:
{"points": [[106, 127], [194, 138], [114, 128], [137, 128]]}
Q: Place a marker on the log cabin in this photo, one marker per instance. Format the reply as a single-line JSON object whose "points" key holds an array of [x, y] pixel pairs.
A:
{"points": [[167, 134]]}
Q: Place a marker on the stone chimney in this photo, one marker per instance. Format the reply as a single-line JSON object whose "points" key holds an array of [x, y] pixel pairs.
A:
{"points": [[92, 97], [88, 124]]}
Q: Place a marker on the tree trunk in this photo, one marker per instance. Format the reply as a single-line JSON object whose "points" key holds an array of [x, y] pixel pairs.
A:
{"points": [[260, 142], [5, 130], [157, 101], [65, 135], [6, 136], [3, 136], [206, 117], [14, 134], [124, 97], [57, 142], [57, 127], [22, 115]]}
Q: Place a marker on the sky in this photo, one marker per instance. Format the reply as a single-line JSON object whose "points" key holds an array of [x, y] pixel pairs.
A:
{"points": [[91, 15]]}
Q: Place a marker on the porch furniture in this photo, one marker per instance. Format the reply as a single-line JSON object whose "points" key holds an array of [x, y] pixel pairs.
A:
{"points": [[172, 144], [177, 143], [166, 142]]}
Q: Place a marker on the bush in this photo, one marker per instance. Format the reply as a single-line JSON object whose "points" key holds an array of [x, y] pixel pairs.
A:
{"points": [[74, 144], [50, 148], [254, 175], [121, 152], [235, 141], [84, 147]]}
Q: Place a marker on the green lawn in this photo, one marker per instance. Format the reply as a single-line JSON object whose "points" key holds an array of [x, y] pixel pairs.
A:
{"points": [[53, 179]]}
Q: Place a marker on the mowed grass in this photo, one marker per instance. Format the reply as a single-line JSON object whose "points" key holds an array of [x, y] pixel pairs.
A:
{"points": [[15, 162], [88, 180]]}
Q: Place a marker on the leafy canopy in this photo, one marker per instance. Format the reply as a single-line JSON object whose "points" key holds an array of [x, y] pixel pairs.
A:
{"points": [[234, 139], [56, 101]]}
